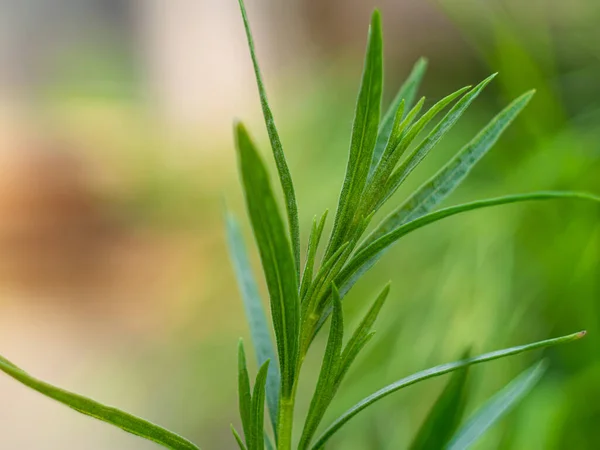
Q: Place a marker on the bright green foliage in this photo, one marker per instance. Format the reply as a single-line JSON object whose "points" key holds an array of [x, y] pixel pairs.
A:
{"points": [[361, 335], [436, 372], [92, 408], [245, 396], [257, 439], [238, 439], [301, 305], [252, 405], [364, 137], [450, 176], [403, 102], [433, 138], [374, 171], [365, 257], [399, 141], [434, 191], [276, 256], [336, 361], [313, 245], [329, 369]]}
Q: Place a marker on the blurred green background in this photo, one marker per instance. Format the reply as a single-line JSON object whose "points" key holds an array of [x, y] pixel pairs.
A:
{"points": [[116, 156]]}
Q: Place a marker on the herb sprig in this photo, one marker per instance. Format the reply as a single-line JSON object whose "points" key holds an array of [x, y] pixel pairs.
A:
{"points": [[301, 301]]}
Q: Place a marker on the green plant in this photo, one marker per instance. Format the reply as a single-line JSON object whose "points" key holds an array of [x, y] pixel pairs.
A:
{"points": [[301, 301]]}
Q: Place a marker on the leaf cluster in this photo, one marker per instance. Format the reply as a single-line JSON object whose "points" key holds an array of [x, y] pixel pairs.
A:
{"points": [[384, 151]]}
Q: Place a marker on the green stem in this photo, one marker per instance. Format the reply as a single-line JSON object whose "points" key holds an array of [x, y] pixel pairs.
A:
{"points": [[285, 423]]}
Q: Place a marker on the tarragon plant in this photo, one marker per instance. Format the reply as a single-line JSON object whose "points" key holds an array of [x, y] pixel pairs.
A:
{"points": [[302, 299]]}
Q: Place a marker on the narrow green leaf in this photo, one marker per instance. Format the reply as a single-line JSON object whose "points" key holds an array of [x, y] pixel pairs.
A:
{"points": [[325, 274], [313, 244], [258, 409], [306, 277], [7, 362], [359, 339], [325, 311], [436, 372], [326, 284], [368, 256], [393, 151], [92, 408], [497, 407], [323, 391], [245, 397], [389, 163], [276, 256], [397, 128], [350, 354], [364, 136], [437, 188], [407, 93], [259, 327], [450, 176], [378, 190], [361, 334], [433, 138], [397, 137], [285, 177], [432, 112], [238, 439], [408, 120], [311, 312], [444, 417]]}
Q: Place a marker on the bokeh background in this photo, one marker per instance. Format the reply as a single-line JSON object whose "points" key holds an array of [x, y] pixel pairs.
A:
{"points": [[116, 157]]}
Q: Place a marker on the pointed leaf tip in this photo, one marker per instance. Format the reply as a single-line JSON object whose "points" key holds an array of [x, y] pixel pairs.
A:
{"points": [[527, 95], [434, 372], [285, 177], [386, 289], [237, 437], [376, 17], [363, 139], [239, 129]]}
